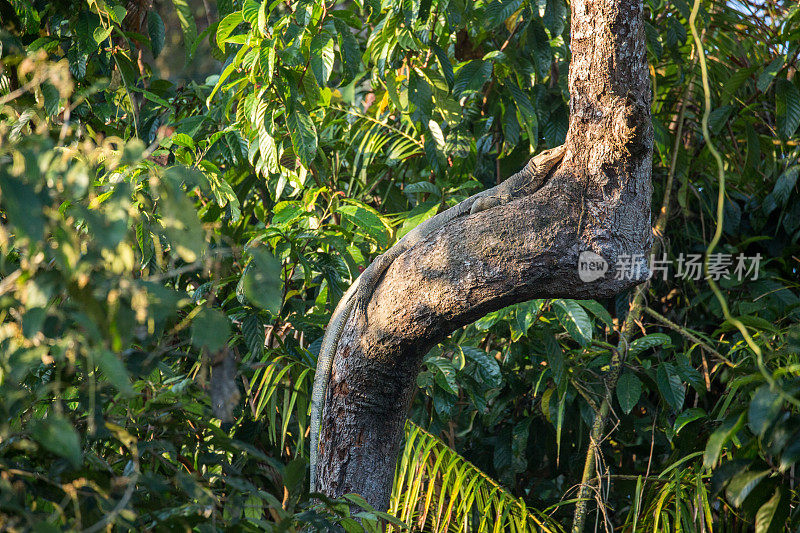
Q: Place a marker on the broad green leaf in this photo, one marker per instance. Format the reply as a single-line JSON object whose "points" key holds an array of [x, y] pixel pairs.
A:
{"points": [[594, 307], [210, 330], [261, 282], [437, 134], [114, 370], [648, 341], [100, 34], [22, 205], [445, 374], [181, 226], [254, 334], [742, 485], [499, 10], [787, 107], [766, 77], [419, 214], [367, 221], [575, 320], [686, 417], [629, 389], [321, 57], [226, 27], [471, 76], [764, 410], [791, 454], [303, 133], [720, 437], [785, 184], [286, 212], [771, 516], [250, 10], [489, 367], [555, 358], [156, 31], [58, 436], [670, 386], [186, 19]]}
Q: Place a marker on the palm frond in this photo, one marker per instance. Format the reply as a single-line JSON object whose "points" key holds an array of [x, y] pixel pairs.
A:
{"points": [[436, 489], [280, 390]]}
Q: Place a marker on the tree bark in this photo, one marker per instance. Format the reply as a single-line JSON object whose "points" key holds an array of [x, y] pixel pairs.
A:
{"points": [[597, 201]]}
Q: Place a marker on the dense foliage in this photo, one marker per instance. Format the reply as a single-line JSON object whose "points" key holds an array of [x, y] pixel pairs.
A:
{"points": [[170, 252]]}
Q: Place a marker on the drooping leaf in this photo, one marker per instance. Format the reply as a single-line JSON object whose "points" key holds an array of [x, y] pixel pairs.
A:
{"points": [[629, 389], [787, 107], [156, 31], [670, 386], [210, 330], [575, 320], [321, 57], [58, 436], [303, 133], [743, 484], [720, 437], [188, 26], [261, 282]]}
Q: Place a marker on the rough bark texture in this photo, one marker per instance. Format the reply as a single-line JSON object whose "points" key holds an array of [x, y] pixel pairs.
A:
{"points": [[598, 200]]}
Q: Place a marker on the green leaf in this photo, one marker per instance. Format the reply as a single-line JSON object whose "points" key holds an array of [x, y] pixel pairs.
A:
{"points": [[765, 408], [418, 215], [687, 417], [263, 17], [771, 516], [787, 107], [250, 10], [670, 386], [226, 27], [555, 358], [629, 389], [366, 220], [22, 206], [261, 282], [254, 334], [499, 10], [575, 320], [742, 485], [791, 454], [114, 369], [437, 134], [785, 184], [445, 375], [210, 330], [100, 34], [186, 19], [58, 436], [321, 57], [180, 223], [722, 435], [488, 365], [156, 31], [766, 77], [597, 309], [303, 133], [471, 76], [648, 341]]}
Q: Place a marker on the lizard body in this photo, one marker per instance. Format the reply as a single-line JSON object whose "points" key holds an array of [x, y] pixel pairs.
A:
{"points": [[523, 183]]}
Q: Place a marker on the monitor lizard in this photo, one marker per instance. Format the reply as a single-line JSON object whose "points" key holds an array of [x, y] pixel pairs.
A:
{"points": [[523, 183]]}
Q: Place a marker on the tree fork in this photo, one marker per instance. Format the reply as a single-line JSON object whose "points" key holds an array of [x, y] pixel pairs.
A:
{"points": [[597, 201]]}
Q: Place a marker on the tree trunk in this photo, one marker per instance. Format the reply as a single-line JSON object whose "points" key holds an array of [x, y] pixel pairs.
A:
{"points": [[597, 202]]}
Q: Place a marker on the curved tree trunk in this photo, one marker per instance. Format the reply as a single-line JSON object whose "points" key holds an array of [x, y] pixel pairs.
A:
{"points": [[598, 201]]}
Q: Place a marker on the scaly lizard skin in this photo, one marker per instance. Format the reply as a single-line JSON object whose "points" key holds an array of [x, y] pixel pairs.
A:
{"points": [[523, 183]]}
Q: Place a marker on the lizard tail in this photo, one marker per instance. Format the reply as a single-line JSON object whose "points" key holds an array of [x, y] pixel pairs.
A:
{"points": [[322, 375]]}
